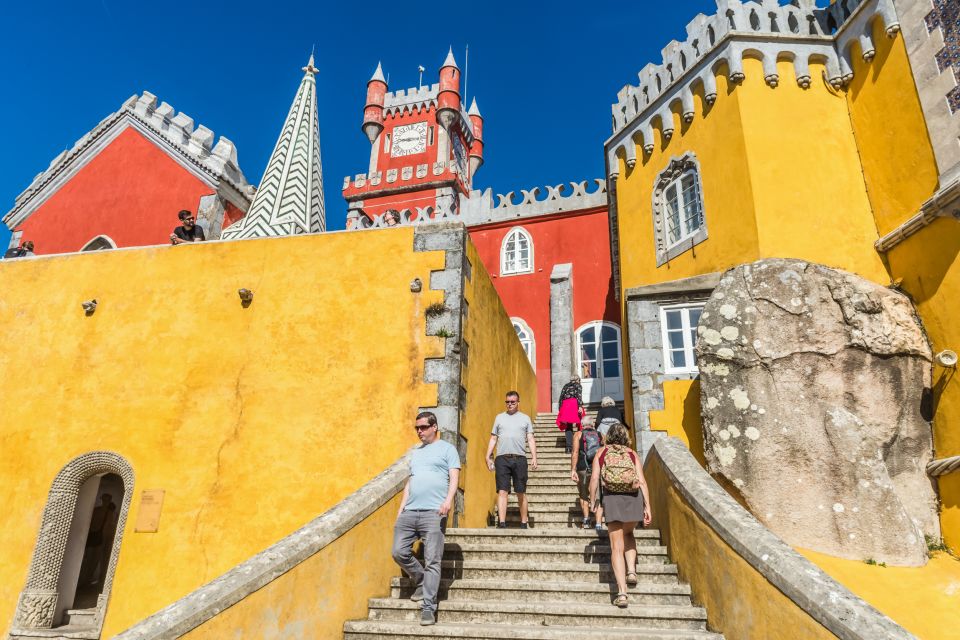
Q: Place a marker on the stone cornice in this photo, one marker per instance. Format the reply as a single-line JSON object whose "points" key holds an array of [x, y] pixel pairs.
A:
{"points": [[174, 133], [761, 29], [945, 203]]}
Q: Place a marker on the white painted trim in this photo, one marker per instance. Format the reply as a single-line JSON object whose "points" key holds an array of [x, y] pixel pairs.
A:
{"points": [[113, 245], [688, 350], [532, 355], [599, 325], [503, 248]]}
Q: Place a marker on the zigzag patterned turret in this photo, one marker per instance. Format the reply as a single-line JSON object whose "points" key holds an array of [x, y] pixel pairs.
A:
{"points": [[763, 29], [290, 197]]}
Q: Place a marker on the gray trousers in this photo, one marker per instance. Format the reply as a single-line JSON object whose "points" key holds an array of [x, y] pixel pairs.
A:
{"points": [[428, 526]]}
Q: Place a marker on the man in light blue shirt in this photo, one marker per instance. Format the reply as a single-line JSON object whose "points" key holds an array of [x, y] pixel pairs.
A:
{"points": [[427, 499]]}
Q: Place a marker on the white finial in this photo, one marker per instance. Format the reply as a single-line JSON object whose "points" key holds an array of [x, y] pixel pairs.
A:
{"points": [[450, 61], [378, 74], [310, 68], [474, 110]]}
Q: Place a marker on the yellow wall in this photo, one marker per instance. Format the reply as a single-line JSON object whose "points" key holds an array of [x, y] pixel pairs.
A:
{"points": [[496, 363], [898, 162], [923, 600], [253, 420], [680, 416], [929, 265], [740, 602], [316, 597]]}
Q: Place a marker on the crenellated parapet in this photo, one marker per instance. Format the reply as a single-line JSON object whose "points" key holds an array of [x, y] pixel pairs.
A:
{"points": [[412, 99], [191, 145], [765, 30], [480, 207]]}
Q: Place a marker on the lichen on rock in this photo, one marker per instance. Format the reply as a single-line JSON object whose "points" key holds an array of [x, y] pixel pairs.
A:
{"points": [[823, 373]]}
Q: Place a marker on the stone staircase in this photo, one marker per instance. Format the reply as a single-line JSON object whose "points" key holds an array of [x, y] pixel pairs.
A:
{"points": [[552, 581]]}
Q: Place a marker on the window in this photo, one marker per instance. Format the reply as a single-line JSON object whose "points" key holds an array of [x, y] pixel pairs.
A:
{"points": [[516, 253], [598, 361], [386, 143], [525, 335], [99, 244], [678, 325], [430, 137], [678, 213]]}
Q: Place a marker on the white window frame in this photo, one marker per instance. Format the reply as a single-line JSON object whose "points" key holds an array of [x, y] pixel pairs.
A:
{"points": [[530, 344], [519, 232], [689, 337], [107, 239], [673, 176]]}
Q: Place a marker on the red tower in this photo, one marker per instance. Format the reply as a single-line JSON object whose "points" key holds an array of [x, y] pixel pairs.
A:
{"points": [[424, 148]]}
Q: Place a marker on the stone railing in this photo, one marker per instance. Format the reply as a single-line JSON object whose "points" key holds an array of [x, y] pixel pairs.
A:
{"points": [[412, 173], [709, 534], [304, 546], [762, 29]]}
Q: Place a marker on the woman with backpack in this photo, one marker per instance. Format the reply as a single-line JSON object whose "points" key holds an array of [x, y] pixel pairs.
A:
{"points": [[570, 410], [626, 502], [586, 443]]}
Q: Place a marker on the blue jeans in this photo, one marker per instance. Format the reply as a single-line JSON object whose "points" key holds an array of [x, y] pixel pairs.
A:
{"points": [[428, 526]]}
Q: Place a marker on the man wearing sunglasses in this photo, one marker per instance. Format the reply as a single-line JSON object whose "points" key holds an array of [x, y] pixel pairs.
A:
{"points": [[427, 499], [512, 431]]}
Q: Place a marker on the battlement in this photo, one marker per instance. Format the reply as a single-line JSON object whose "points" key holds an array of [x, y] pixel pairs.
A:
{"points": [[194, 144], [761, 29], [414, 98], [413, 174], [479, 208]]}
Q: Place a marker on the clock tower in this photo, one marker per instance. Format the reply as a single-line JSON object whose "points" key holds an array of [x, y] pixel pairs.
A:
{"points": [[424, 150]]}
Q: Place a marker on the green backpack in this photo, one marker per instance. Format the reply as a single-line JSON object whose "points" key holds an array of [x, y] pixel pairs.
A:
{"points": [[618, 469]]}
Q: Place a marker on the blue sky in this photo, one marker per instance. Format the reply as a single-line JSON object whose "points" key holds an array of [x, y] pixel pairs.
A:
{"points": [[544, 75]]}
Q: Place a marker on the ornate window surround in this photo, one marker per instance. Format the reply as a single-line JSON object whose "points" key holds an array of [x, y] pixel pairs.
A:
{"points": [[520, 232], [677, 167], [38, 600]]}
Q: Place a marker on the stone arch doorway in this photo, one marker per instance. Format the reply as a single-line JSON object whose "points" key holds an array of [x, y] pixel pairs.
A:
{"points": [[71, 573]]}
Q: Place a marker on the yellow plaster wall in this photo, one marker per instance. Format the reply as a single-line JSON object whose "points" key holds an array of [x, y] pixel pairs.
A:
{"points": [[496, 363], [929, 264], [923, 600], [807, 182], [718, 142], [680, 417], [252, 420], [316, 597], [740, 602], [898, 162]]}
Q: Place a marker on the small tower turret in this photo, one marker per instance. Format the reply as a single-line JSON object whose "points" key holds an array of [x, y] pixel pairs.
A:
{"points": [[448, 100], [476, 149], [373, 109]]}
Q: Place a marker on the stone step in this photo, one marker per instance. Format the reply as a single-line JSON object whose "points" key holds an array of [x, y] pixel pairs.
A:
{"points": [[551, 487], [534, 536], [388, 629], [540, 591], [593, 552], [659, 572], [566, 500], [81, 617], [544, 518], [544, 614]]}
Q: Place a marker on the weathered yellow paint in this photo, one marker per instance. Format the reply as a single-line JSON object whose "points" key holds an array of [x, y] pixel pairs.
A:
{"points": [[496, 363], [680, 417], [898, 162], [316, 597], [253, 420], [929, 265], [741, 603], [923, 600]]}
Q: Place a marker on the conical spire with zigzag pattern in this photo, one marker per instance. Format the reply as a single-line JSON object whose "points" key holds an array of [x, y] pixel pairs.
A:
{"points": [[290, 197]]}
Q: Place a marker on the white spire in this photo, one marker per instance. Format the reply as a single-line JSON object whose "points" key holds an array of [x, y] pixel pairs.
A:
{"points": [[290, 197], [474, 110], [378, 75], [450, 61]]}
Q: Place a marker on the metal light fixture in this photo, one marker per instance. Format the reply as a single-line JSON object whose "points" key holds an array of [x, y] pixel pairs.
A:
{"points": [[246, 297], [89, 306], [947, 359]]}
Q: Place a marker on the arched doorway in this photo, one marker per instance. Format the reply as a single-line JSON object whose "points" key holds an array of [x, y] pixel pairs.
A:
{"points": [[71, 572], [598, 361]]}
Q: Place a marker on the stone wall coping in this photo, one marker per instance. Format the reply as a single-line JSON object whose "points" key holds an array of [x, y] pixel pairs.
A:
{"points": [[828, 602], [247, 577], [703, 282]]}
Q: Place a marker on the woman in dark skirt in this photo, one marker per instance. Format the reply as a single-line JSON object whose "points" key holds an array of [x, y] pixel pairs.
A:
{"points": [[626, 502]]}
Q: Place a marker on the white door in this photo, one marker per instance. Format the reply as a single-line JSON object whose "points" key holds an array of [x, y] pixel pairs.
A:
{"points": [[598, 348]]}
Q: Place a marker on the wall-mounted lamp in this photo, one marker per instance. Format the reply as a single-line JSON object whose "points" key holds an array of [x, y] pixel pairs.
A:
{"points": [[246, 297], [416, 285], [89, 306], [947, 359]]}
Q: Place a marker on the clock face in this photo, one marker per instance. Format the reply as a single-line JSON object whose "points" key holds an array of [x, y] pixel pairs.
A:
{"points": [[409, 139]]}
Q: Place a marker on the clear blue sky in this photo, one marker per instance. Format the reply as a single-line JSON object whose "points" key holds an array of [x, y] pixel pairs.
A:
{"points": [[544, 75]]}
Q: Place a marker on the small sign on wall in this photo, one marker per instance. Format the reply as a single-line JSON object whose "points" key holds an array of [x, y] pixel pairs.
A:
{"points": [[148, 516]]}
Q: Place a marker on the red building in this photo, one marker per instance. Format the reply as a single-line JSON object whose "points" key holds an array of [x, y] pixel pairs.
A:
{"points": [[549, 258], [122, 184]]}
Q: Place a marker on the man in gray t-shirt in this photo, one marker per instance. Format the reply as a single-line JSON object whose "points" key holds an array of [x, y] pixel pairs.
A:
{"points": [[512, 430]]}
